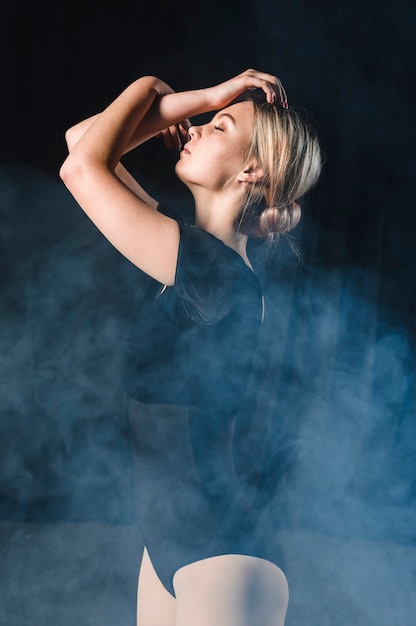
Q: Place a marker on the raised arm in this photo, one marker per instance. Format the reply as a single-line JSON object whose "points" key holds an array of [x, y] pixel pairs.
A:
{"points": [[74, 134], [173, 137], [147, 238]]}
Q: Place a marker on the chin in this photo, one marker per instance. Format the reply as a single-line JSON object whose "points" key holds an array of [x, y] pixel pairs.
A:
{"points": [[181, 175]]}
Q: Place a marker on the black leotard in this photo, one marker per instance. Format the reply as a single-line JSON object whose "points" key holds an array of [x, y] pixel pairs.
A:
{"points": [[186, 371]]}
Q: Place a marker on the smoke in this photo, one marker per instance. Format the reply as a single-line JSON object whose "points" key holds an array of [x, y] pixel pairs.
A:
{"points": [[347, 399], [66, 298], [334, 473], [329, 456], [335, 421]]}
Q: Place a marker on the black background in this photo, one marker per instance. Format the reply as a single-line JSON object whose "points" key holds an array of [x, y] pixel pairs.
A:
{"points": [[351, 64]]}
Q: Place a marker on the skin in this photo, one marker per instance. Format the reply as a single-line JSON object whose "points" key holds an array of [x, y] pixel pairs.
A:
{"points": [[116, 204], [213, 166]]}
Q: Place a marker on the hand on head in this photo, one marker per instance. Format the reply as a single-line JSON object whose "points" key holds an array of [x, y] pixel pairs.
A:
{"points": [[223, 94], [260, 86]]}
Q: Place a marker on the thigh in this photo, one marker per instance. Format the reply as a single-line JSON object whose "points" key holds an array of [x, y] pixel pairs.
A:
{"points": [[231, 590], [155, 605]]}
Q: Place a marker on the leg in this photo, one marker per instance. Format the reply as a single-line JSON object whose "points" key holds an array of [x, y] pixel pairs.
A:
{"points": [[231, 590], [155, 605]]}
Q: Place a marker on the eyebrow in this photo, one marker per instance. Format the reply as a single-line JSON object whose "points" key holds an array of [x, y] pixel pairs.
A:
{"points": [[226, 115]]}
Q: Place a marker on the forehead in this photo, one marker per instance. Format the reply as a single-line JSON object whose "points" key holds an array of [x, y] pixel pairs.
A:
{"points": [[242, 112]]}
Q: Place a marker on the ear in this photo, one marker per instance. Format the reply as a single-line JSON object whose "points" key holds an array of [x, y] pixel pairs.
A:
{"points": [[252, 173]]}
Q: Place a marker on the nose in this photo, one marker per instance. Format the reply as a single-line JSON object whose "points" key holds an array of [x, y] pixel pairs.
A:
{"points": [[194, 131]]}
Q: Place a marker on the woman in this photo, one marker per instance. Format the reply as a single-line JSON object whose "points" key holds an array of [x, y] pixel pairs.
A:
{"points": [[194, 338]]}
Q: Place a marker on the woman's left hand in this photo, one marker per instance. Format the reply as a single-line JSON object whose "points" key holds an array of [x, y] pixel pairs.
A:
{"points": [[176, 136]]}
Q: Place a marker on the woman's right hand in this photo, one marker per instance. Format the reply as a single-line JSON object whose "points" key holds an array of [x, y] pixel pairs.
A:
{"points": [[170, 113], [223, 94]]}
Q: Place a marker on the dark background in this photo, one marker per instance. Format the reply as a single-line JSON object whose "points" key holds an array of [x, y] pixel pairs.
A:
{"points": [[351, 64], [334, 415]]}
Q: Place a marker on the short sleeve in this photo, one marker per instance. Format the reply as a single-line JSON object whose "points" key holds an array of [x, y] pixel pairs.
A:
{"points": [[209, 275]]}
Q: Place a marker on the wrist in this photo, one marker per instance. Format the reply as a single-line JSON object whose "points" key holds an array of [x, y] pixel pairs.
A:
{"points": [[200, 101], [211, 99], [208, 99], [175, 107]]}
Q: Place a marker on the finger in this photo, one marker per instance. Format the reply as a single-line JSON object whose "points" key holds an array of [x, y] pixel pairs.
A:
{"points": [[275, 92], [283, 96], [168, 139], [186, 124], [272, 85], [271, 93], [270, 78], [175, 137], [255, 80], [263, 86], [183, 131]]}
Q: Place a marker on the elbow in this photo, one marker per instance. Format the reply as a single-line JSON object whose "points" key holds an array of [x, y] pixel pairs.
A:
{"points": [[71, 138], [63, 171], [78, 170], [68, 171]]}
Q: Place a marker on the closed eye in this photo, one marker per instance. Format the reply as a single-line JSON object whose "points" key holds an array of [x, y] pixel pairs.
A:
{"points": [[218, 128]]}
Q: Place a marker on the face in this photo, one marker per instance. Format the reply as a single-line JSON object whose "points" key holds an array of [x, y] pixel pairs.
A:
{"points": [[215, 153]]}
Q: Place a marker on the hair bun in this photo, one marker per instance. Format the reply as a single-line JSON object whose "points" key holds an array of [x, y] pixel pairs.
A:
{"points": [[278, 220]]}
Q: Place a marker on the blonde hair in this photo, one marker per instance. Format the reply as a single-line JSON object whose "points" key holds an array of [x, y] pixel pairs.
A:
{"points": [[286, 148]]}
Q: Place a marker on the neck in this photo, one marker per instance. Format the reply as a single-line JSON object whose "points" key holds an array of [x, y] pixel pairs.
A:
{"points": [[217, 215]]}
